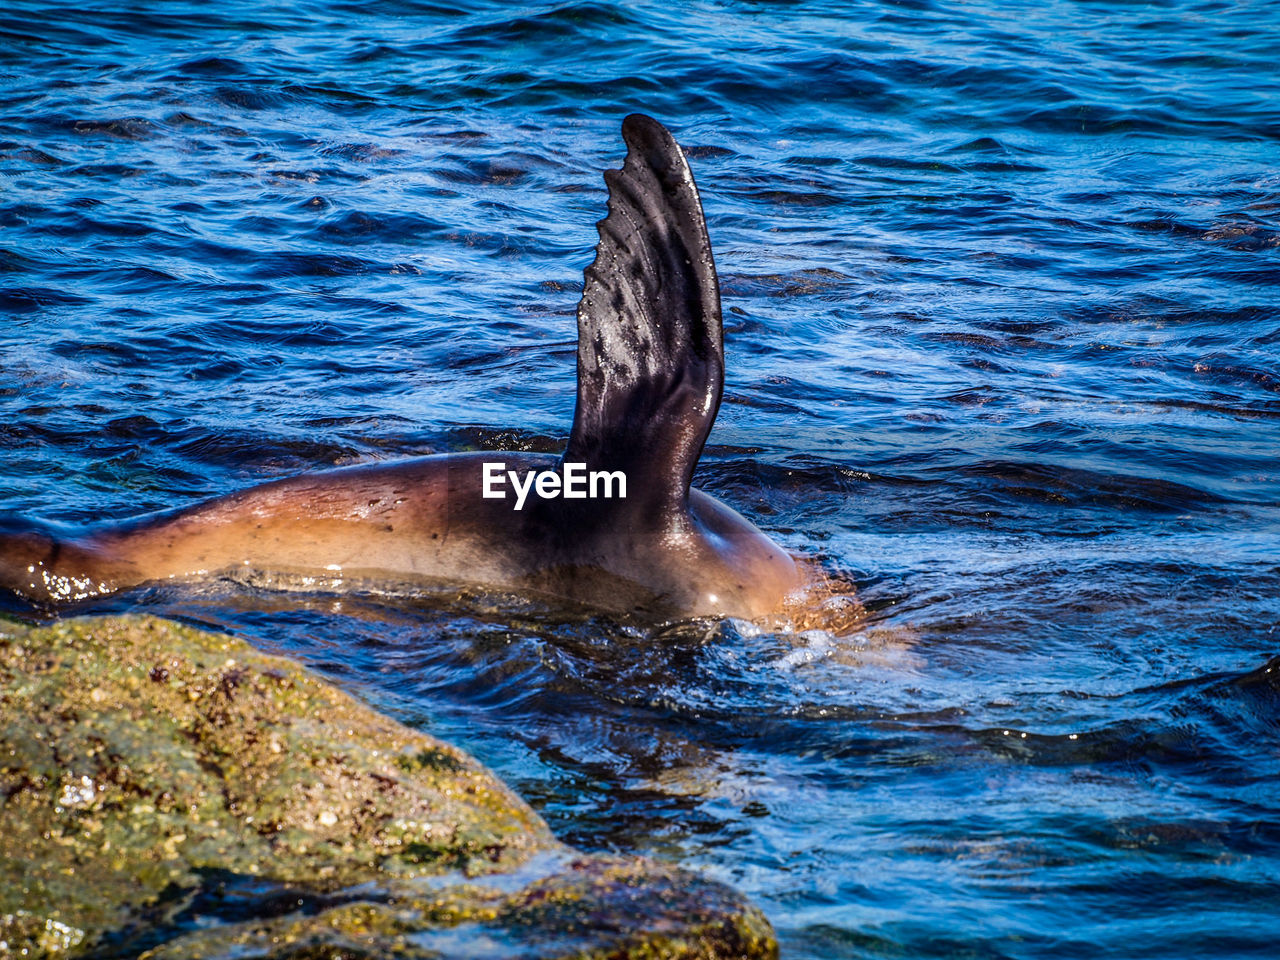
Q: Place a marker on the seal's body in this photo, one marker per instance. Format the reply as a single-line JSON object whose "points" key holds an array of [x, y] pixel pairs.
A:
{"points": [[650, 375]]}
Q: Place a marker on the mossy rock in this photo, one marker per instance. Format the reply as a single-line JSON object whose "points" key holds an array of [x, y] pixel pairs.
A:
{"points": [[173, 792]]}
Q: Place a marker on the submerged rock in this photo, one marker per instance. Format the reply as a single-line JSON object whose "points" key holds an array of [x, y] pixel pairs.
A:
{"points": [[173, 793]]}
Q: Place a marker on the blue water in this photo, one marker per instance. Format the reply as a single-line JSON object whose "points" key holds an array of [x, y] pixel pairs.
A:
{"points": [[1000, 286]]}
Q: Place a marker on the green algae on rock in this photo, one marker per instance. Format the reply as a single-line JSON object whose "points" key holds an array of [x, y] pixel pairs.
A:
{"points": [[585, 908], [170, 790]]}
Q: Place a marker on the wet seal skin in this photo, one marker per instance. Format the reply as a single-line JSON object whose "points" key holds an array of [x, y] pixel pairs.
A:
{"points": [[650, 377]]}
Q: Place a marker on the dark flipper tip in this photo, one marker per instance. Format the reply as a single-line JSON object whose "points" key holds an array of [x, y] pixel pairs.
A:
{"points": [[649, 139]]}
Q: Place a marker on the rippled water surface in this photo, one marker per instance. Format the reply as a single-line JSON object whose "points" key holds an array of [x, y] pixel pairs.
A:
{"points": [[1000, 288]]}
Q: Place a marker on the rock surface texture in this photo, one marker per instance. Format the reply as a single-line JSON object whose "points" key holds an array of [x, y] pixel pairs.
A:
{"points": [[171, 793]]}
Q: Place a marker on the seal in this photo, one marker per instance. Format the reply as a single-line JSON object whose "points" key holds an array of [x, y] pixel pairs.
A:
{"points": [[650, 377]]}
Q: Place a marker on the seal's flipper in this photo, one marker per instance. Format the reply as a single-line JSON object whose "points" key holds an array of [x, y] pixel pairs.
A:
{"points": [[650, 343]]}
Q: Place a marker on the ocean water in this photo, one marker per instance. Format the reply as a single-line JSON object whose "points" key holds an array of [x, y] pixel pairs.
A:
{"points": [[1002, 335]]}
